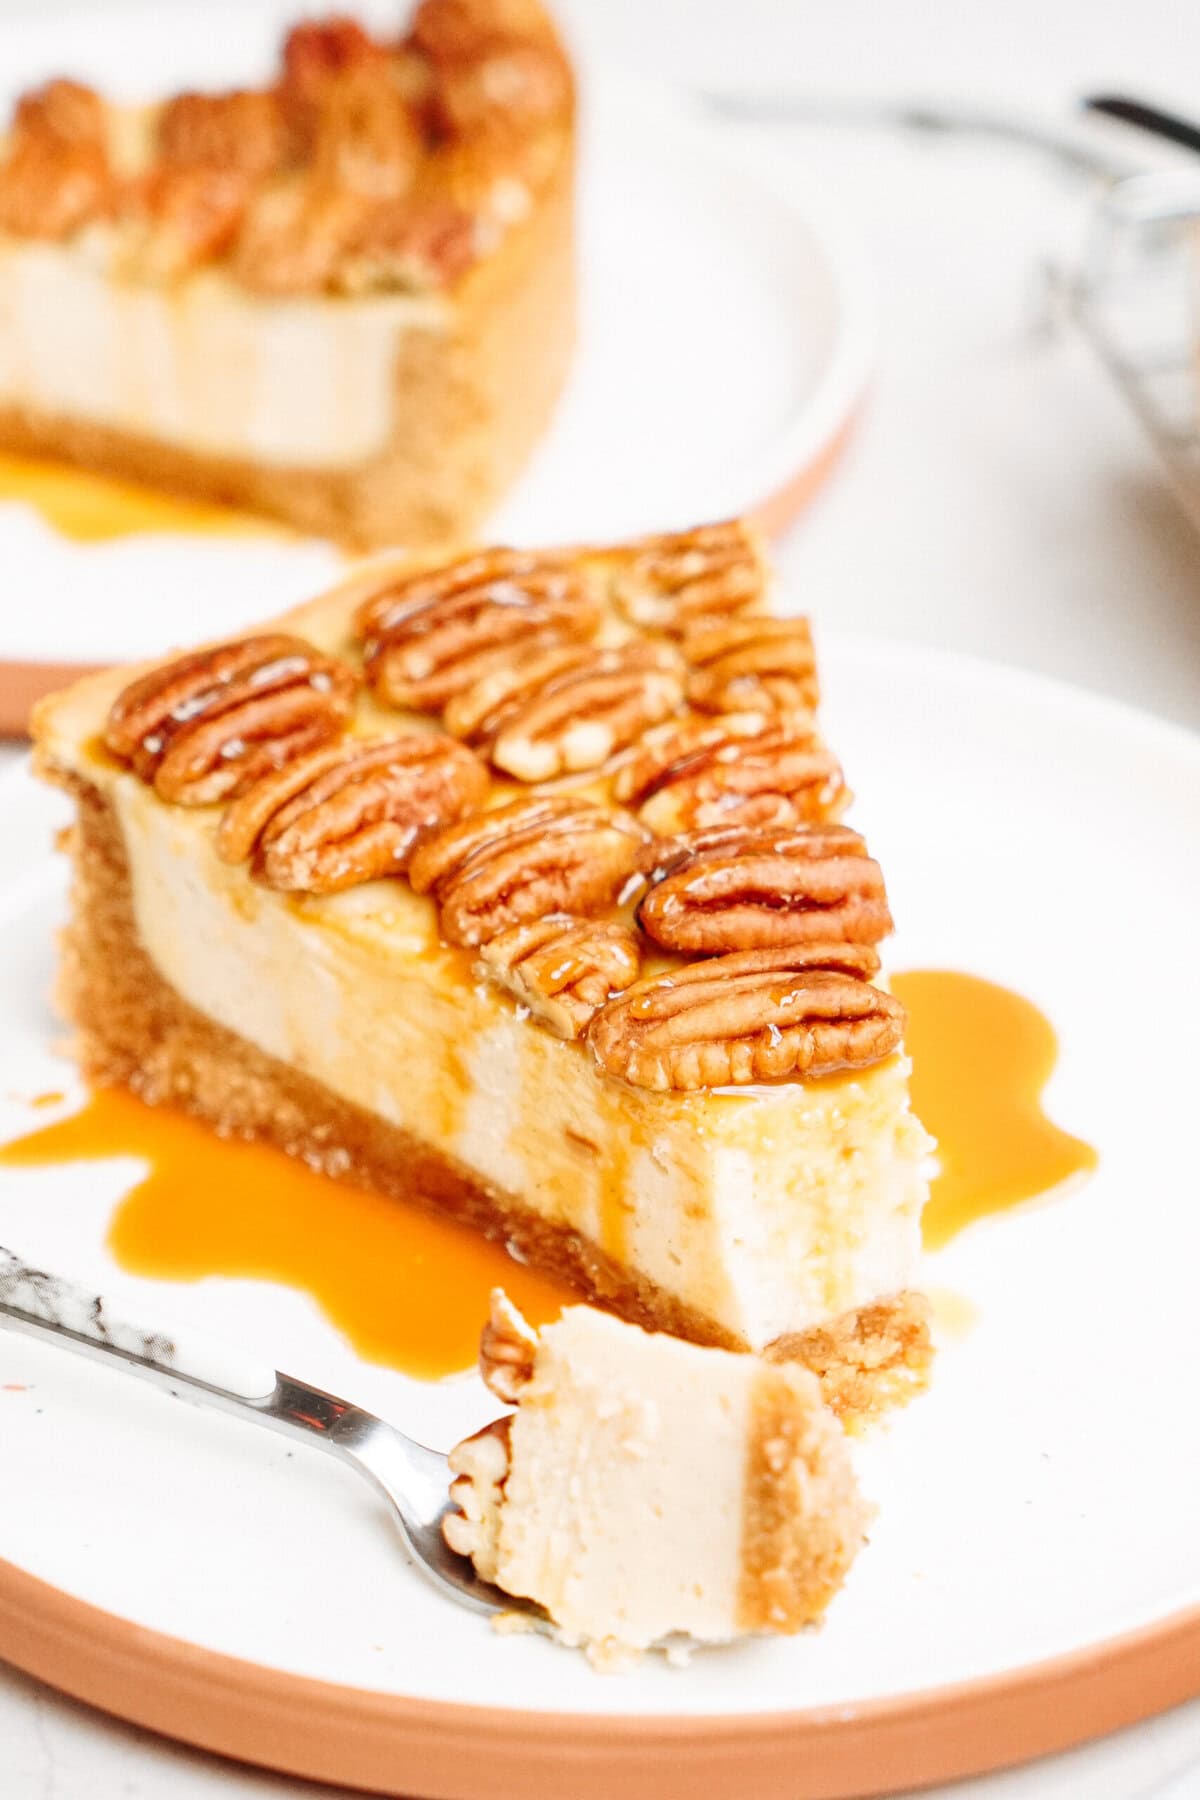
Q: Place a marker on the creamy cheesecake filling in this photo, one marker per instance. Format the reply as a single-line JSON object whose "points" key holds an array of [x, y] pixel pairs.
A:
{"points": [[766, 1210], [608, 1444], [202, 365]]}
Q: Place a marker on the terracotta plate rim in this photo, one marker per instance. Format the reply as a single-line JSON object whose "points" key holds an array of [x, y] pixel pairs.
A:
{"points": [[444, 1749]]}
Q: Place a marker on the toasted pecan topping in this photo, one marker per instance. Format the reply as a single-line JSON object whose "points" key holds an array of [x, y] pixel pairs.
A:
{"points": [[497, 67], [56, 176], [295, 234], [507, 1348], [543, 854], [191, 214], [243, 130], [368, 163], [65, 111], [431, 635], [732, 889], [746, 769], [563, 968], [480, 1466], [213, 151], [557, 709], [759, 1016], [206, 726], [670, 582], [418, 243], [317, 55], [751, 664], [350, 812]]}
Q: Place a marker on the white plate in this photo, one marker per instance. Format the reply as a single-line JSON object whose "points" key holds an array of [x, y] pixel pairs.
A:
{"points": [[1040, 1501], [726, 336]]}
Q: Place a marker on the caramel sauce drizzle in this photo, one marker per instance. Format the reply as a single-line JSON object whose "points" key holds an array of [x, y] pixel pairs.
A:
{"points": [[92, 509], [408, 1288], [982, 1055]]}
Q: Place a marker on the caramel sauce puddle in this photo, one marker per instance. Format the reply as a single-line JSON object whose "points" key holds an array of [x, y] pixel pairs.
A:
{"points": [[408, 1289], [92, 508], [982, 1055]]}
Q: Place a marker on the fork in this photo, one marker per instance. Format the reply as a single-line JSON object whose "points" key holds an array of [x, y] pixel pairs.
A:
{"points": [[414, 1480]]}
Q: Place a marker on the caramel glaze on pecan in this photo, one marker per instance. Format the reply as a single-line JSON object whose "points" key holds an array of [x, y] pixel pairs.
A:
{"points": [[496, 66], [56, 176], [433, 634], [751, 769], [732, 889], [553, 710], [757, 1016], [359, 147], [351, 812], [669, 583], [538, 855], [205, 727], [750, 664], [563, 968], [214, 150]]}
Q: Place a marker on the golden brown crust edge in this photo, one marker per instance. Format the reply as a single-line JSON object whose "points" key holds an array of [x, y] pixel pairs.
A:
{"points": [[471, 403], [133, 1029], [803, 1518]]}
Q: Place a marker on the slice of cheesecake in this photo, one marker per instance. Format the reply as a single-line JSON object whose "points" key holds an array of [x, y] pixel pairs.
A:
{"points": [[645, 1487], [344, 299], [455, 882]]}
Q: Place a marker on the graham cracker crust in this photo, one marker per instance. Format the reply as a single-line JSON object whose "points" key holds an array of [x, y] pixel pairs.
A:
{"points": [[133, 1029], [471, 401], [803, 1518]]}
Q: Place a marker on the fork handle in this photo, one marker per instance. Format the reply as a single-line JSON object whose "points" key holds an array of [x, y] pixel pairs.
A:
{"points": [[187, 1363]]}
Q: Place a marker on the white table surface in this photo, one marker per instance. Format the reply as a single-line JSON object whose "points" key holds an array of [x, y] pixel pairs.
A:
{"points": [[996, 498]]}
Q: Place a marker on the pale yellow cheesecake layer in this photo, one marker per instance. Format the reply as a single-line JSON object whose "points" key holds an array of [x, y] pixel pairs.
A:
{"points": [[202, 365]]}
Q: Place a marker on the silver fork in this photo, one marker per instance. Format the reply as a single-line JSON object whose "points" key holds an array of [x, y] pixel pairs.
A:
{"points": [[414, 1480]]}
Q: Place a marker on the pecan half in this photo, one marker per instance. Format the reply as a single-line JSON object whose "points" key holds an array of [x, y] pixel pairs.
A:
{"points": [[756, 663], [480, 1467], [563, 968], [557, 709], [669, 582], [205, 727], [544, 854], [497, 69], [430, 636], [747, 769], [318, 54], [414, 243], [507, 1348], [351, 812], [56, 176], [190, 214], [242, 130], [743, 890], [757, 1017], [295, 233]]}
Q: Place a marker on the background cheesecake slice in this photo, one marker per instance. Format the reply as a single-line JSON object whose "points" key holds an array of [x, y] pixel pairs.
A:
{"points": [[448, 884], [645, 1487], [345, 300]]}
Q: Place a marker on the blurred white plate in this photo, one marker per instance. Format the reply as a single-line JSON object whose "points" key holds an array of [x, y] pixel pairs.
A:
{"points": [[1034, 1573], [726, 336]]}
